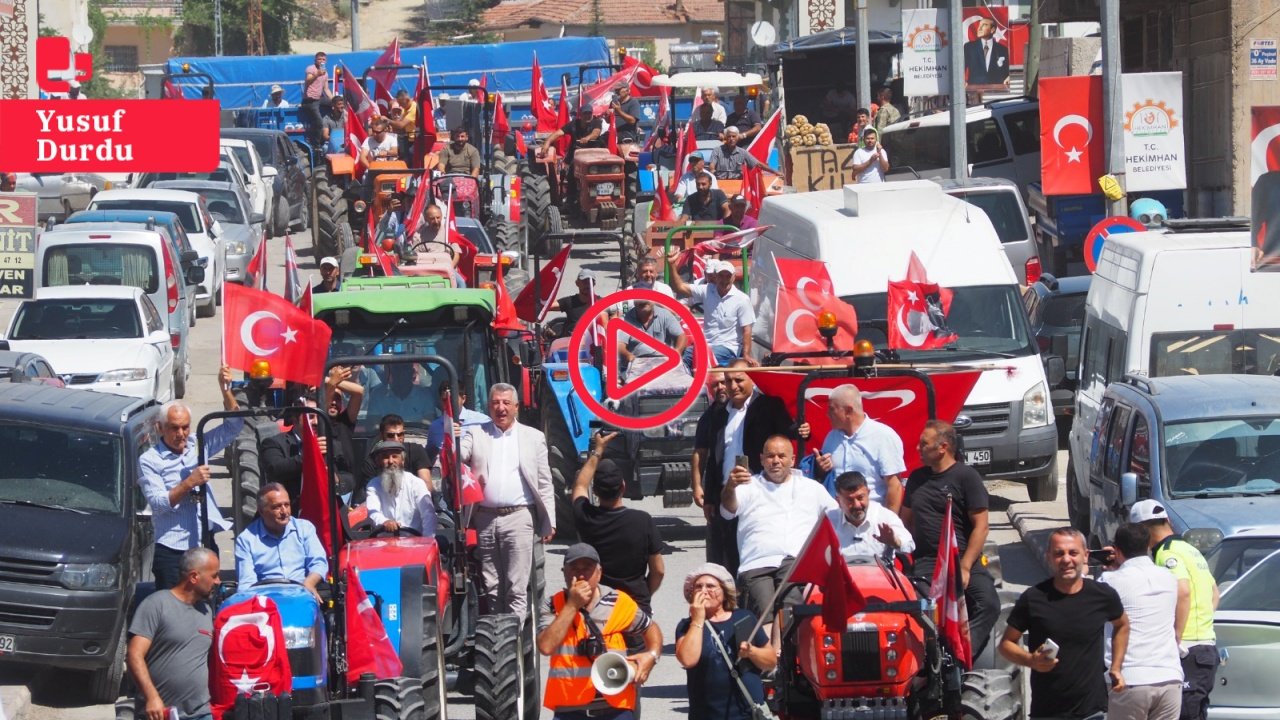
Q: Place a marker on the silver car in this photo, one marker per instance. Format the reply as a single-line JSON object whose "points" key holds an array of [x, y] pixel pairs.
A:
{"points": [[1247, 624], [242, 229], [60, 194]]}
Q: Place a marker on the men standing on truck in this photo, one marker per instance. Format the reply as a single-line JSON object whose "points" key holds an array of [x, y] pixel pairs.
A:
{"points": [[727, 316], [315, 87], [858, 443]]}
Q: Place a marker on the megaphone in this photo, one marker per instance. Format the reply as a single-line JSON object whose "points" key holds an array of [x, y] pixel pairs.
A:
{"points": [[611, 673]]}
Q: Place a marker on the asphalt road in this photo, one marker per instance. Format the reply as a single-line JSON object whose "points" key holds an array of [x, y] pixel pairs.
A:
{"points": [[57, 696]]}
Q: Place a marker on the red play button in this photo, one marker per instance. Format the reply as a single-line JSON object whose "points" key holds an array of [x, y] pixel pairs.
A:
{"points": [[614, 329]]}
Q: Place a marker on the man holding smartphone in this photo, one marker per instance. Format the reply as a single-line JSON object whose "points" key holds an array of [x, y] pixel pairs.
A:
{"points": [[871, 161]]}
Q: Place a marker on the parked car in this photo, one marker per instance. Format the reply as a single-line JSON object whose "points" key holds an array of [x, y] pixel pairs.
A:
{"points": [[1247, 626], [227, 171], [1230, 559], [1055, 307], [1206, 447], [291, 189], [21, 367], [201, 229], [60, 194], [242, 229], [108, 338], [75, 542], [259, 185], [1001, 200]]}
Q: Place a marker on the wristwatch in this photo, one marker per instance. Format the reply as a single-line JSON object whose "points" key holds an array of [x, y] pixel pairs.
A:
{"points": [[594, 453], [655, 655]]}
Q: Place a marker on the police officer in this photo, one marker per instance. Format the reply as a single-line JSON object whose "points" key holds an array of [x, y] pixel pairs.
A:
{"points": [[1197, 600]]}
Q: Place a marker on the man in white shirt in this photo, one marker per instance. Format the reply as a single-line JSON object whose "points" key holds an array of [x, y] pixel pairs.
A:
{"points": [[717, 110], [397, 499], [688, 182], [864, 526], [773, 509], [647, 278], [1152, 663], [381, 144], [727, 316], [858, 443], [871, 161], [276, 100]]}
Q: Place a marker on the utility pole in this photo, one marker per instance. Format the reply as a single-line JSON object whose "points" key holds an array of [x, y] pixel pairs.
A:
{"points": [[217, 28], [355, 25], [864, 57], [959, 148], [1112, 110]]}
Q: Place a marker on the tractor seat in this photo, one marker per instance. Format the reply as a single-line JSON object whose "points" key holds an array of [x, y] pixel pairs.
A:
{"points": [[464, 187], [430, 263], [591, 156]]}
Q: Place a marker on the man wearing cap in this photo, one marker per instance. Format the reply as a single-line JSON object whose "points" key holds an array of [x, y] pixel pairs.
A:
{"points": [[1197, 601], [658, 324], [706, 204], [397, 499], [870, 162], [330, 276], [738, 216], [626, 113], [276, 99], [579, 624], [727, 316], [744, 118], [728, 160], [688, 182], [575, 306], [414, 460], [627, 539]]}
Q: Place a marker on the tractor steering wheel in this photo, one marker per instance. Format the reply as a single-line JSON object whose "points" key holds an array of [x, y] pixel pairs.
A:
{"points": [[422, 245], [404, 530]]}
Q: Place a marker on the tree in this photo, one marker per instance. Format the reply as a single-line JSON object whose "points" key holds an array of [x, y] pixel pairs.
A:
{"points": [[197, 33], [460, 22]]}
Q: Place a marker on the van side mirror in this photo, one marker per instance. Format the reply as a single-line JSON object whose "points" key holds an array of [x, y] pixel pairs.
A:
{"points": [[257, 218], [195, 275], [1055, 370], [190, 257], [1128, 489]]}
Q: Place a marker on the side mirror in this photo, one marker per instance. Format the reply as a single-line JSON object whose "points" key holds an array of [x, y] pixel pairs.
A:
{"points": [[269, 172], [257, 218], [1128, 489], [1055, 370], [158, 337], [195, 274], [190, 257]]}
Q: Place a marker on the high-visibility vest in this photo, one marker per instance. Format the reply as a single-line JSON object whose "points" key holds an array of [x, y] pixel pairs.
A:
{"points": [[569, 676]]}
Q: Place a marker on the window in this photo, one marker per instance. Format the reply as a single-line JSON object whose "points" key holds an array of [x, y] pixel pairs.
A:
{"points": [[1140, 455], [1216, 352], [75, 469], [101, 319], [102, 264], [1002, 209], [1115, 442], [1024, 131], [154, 322], [1104, 353], [1097, 449], [122, 58], [986, 142]]}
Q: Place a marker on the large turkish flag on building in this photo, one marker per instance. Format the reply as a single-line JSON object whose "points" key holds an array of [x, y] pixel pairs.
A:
{"points": [[1072, 155], [1264, 174], [260, 325]]}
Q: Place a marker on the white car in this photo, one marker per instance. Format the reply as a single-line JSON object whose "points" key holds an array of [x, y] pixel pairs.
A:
{"points": [[108, 338], [60, 194], [202, 230], [259, 185]]}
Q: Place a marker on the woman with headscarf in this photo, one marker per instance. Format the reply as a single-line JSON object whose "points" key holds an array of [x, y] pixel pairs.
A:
{"points": [[714, 694]]}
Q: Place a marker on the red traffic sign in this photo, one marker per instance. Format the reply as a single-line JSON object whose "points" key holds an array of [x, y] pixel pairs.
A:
{"points": [[1105, 228], [614, 390]]}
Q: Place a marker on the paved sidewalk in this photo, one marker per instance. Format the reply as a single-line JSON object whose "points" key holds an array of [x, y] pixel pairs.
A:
{"points": [[14, 700], [1034, 521]]}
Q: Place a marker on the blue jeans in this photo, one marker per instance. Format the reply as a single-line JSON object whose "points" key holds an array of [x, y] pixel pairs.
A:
{"points": [[723, 356]]}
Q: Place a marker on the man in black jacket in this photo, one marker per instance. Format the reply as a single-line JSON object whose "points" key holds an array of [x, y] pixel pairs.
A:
{"points": [[749, 418], [281, 458]]}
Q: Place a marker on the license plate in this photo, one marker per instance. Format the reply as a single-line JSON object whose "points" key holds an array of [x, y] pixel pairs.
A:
{"points": [[8, 645], [604, 189], [977, 457]]}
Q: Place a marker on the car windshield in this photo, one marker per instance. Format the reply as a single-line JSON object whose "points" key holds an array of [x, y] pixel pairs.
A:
{"points": [[1002, 207], [478, 237], [74, 469], [1233, 557], [105, 264], [988, 320], [413, 391], [242, 154], [185, 211], [1223, 457], [98, 319], [224, 203], [1216, 352], [1259, 590]]}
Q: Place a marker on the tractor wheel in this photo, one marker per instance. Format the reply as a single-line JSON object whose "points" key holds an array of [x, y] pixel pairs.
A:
{"points": [[529, 657], [633, 185], [990, 695], [280, 219], [104, 683], [434, 692], [535, 199], [500, 683], [333, 227], [555, 224], [505, 235], [504, 164], [399, 699], [245, 469], [564, 469]]}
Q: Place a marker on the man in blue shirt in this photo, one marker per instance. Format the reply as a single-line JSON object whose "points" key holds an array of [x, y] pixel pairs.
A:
{"points": [[278, 546], [857, 443], [468, 417], [170, 478]]}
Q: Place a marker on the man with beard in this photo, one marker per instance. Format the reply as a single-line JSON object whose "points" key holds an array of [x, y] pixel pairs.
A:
{"points": [[647, 277], [864, 526], [460, 156], [706, 204], [397, 499]]}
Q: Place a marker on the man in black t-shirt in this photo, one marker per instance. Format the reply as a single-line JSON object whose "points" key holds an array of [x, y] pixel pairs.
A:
{"points": [[627, 539], [575, 306], [626, 113], [416, 462], [923, 508], [1072, 611], [708, 204]]}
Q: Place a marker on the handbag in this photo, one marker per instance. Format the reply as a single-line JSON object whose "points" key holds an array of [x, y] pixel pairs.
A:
{"points": [[759, 711]]}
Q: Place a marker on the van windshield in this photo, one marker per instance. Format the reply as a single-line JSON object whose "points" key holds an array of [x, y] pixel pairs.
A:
{"points": [[1216, 352], [105, 264], [73, 469], [185, 211], [988, 320], [1004, 210], [1234, 456]]}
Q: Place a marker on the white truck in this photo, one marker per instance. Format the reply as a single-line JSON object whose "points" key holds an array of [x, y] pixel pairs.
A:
{"points": [[865, 234], [1183, 300]]}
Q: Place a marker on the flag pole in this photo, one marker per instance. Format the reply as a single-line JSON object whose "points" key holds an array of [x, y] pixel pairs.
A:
{"points": [[777, 593]]}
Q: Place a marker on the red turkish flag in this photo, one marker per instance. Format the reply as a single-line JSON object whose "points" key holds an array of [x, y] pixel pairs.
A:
{"points": [[468, 490], [687, 144], [314, 501], [642, 78], [248, 654], [1265, 180], [916, 311], [501, 126], [1072, 157], [805, 291], [358, 100], [369, 649], [661, 208], [304, 303], [257, 267], [562, 118], [292, 280], [947, 590], [613, 133], [820, 563], [764, 140], [259, 325], [535, 299], [419, 206], [171, 91], [467, 249], [544, 111], [664, 110], [426, 105], [505, 317], [384, 79]]}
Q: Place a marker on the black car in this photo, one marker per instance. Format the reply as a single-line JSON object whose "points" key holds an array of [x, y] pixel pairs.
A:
{"points": [[291, 184], [21, 367], [1056, 310]]}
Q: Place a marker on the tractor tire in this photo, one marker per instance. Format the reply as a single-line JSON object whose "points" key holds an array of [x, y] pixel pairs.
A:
{"points": [[280, 219], [504, 164], [1077, 506], [104, 683], [505, 235], [434, 692], [399, 699], [990, 695], [563, 459], [535, 200], [245, 469], [333, 227], [555, 224], [500, 683], [632, 188], [529, 656]]}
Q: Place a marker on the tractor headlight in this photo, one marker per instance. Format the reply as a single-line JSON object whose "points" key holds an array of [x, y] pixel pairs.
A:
{"points": [[90, 576], [298, 637], [1035, 407]]}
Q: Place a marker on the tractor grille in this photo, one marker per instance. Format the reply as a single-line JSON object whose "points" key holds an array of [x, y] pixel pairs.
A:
{"points": [[990, 419], [27, 572], [860, 655], [864, 708], [31, 616]]}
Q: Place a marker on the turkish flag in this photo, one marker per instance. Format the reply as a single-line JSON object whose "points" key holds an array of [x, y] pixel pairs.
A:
{"points": [[419, 206], [384, 79], [259, 325], [314, 501], [535, 299], [257, 267], [1072, 157], [947, 590], [501, 126], [358, 100], [642, 78], [292, 282], [753, 189], [304, 303], [805, 291], [249, 653], [468, 490], [664, 110], [388, 267], [504, 317], [562, 118], [355, 139], [613, 134], [1264, 174], [369, 649], [544, 111], [687, 144], [426, 105], [661, 208], [467, 249], [764, 140], [171, 91], [916, 311], [820, 563]]}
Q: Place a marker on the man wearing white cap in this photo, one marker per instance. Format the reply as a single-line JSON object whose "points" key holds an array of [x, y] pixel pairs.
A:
{"points": [[330, 276], [726, 311], [276, 100]]}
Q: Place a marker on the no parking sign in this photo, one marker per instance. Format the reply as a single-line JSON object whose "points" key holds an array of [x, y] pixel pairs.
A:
{"points": [[1105, 228]]}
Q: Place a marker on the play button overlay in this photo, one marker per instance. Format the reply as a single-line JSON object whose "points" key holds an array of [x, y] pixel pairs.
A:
{"points": [[616, 333]]}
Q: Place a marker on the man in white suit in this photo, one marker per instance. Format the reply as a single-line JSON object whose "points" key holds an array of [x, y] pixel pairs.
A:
{"points": [[510, 461]]}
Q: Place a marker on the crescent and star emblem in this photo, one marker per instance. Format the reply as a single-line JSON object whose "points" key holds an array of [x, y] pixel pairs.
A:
{"points": [[913, 339], [790, 327], [1073, 155], [1258, 152], [246, 333]]}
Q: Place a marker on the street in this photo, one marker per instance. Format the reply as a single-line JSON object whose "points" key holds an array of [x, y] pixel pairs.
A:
{"points": [[54, 697]]}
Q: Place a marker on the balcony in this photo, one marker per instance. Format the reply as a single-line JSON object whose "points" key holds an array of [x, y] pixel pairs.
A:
{"points": [[122, 11]]}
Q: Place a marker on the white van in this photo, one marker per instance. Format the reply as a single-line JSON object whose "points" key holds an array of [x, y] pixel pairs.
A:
{"points": [[1177, 301], [866, 234]]}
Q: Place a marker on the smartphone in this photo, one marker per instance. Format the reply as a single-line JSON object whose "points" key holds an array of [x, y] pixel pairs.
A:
{"points": [[741, 461], [1101, 557], [1049, 649], [595, 426]]}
